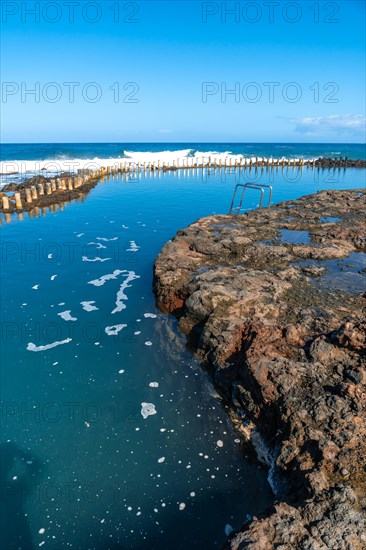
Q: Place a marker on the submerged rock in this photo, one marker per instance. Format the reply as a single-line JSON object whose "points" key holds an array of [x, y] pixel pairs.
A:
{"points": [[286, 345]]}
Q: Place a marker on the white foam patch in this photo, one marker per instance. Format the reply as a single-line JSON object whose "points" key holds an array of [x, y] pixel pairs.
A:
{"points": [[35, 287], [96, 259], [121, 296], [220, 443], [150, 315], [154, 385], [80, 235], [66, 315], [88, 306], [102, 280], [182, 506], [98, 245], [133, 247], [147, 409], [114, 330], [148, 343], [33, 347], [53, 277], [49, 256], [106, 240], [161, 460]]}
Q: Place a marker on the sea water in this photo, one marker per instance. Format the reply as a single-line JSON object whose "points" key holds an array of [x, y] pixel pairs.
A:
{"points": [[112, 435], [18, 161]]}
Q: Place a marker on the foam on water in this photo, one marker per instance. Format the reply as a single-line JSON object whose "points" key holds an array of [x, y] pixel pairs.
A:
{"points": [[106, 240], [98, 245], [104, 278], [133, 247], [96, 259], [33, 347], [148, 409], [121, 296], [89, 306], [114, 330], [66, 315]]}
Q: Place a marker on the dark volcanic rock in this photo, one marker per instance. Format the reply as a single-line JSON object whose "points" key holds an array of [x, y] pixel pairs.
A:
{"points": [[286, 346]]}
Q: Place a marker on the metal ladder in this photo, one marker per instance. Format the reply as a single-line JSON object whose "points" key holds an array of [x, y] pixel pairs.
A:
{"points": [[260, 187]]}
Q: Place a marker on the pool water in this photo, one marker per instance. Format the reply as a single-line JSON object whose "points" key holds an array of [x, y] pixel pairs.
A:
{"points": [[112, 436]]}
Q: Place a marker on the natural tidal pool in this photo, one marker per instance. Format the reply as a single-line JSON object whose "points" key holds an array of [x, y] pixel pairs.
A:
{"points": [[112, 436]]}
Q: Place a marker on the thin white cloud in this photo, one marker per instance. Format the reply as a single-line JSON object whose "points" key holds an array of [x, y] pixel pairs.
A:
{"points": [[165, 131], [341, 124]]}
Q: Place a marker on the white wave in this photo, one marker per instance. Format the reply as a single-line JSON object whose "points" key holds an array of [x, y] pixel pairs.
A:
{"points": [[55, 166], [149, 156], [33, 347], [182, 157]]}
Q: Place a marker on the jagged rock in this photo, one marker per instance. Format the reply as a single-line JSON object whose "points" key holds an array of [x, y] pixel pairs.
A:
{"points": [[286, 345]]}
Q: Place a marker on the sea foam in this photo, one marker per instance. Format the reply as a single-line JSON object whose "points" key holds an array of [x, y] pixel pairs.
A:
{"points": [[33, 347]]}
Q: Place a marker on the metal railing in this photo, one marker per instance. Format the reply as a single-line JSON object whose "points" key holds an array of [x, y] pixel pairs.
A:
{"points": [[260, 187]]}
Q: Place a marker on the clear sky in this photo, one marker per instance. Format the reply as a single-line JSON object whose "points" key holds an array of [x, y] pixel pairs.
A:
{"points": [[161, 71]]}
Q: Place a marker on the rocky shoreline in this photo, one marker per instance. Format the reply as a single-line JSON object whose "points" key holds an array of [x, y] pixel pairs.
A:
{"points": [[273, 302]]}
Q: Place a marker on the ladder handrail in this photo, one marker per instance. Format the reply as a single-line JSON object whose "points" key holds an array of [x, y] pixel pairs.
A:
{"points": [[246, 186]]}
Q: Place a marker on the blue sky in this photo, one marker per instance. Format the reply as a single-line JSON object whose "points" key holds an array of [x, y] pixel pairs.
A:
{"points": [[295, 70]]}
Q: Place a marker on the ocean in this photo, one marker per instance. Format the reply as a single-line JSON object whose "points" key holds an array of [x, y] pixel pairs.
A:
{"points": [[112, 435], [25, 160]]}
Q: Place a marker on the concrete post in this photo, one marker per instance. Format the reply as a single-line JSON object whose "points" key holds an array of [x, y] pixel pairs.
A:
{"points": [[18, 200], [5, 203]]}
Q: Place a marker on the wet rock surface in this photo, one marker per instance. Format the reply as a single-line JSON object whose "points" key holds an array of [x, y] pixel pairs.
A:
{"points": [[286, 346]]}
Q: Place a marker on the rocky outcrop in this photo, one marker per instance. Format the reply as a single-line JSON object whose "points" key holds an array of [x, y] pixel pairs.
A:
{"points": [[273, 302]]}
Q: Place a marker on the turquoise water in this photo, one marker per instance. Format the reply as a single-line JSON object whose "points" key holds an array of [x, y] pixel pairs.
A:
{"points": [[81, 467]]}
